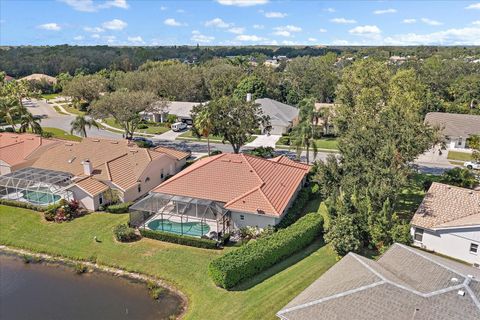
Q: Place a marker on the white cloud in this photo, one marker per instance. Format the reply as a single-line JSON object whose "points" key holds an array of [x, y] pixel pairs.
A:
{"points": [[286, 31], [258, 26], [473, 6], [52, 26], [384, 11], [340, 42], [463, 36], [136, 40], [476, 23], [343, 21], [365, 30], [275, 14], [91, 6], [93, 29], [312, 40], [409, 21], [95, 36], [331, 10], [163, 8], [237, 30], [218, 23], [242, 3], [199, 37], [282, 33], [78, 38], [115, 24], [110, 39], [288, 43], [431, 22], [172, 22], [250, 38], [322, 30]]}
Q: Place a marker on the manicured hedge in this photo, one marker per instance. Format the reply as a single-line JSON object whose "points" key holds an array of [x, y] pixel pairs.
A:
{"points": [[295, 210], [257, 256], [20, 204], [119, 208], [179, 239], [124, 233]]}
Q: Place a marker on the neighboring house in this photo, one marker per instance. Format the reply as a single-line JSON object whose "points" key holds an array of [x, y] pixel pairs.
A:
{"points": [[403, 284], [92, 171], [455, 127], [40, 77], [448, 222], [226, 192], [21, 150], [329, 110], [8, 78], [282, 116], [181, 109]]}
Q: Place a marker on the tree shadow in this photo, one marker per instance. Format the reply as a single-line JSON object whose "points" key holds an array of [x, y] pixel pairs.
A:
{"points": [[288, 262]]}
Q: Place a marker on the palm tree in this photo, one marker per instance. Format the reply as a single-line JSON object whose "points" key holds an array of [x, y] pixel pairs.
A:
{"points": [[28, 121], [80, 124], [304, 134], [204, 124], [8, 109]]}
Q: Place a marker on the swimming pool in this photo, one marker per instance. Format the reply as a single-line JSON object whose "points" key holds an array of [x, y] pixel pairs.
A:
{"points": [[196, 229], [40, 198]]}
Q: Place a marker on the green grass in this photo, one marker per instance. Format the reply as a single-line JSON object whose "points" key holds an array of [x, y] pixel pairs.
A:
{"points": [[326, 143], [60, 134], [49, 96], [184, 267], [461, 156], [189, 136], [58, 110], [112, 123], [152, 129], [69, 108]]}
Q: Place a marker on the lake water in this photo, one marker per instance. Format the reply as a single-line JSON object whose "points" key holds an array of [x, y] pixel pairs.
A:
{"points": [[48, 291]]}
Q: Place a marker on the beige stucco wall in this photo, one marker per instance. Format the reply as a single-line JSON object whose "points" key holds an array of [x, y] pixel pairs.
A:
{"points": [[86, 201]]}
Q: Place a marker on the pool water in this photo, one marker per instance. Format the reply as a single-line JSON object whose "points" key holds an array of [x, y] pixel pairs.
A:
{"points": [[41, 198], [196, 229]]}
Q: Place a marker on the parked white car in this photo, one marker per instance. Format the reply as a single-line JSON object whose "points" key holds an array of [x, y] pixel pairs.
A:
{"points": [[179, 126], [472, 165]]}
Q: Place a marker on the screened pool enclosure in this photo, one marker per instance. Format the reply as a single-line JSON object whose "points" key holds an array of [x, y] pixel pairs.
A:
{"points": [[37, 186], [180, 215]]}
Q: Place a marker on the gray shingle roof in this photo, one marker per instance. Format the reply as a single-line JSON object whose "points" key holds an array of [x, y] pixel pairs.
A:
{"points": [[454, 124], [404, 284], [279, 113]]}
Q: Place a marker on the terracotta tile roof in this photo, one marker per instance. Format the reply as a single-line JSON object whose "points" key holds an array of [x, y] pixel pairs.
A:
{"points": [[243, 182], [286, 160], [177, 154], [92, 186], [448, 206], [453, 124], [17, 148]]}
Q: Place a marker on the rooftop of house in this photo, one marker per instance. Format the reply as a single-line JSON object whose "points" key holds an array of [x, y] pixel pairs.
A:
{"points": [[18, 148], [177, 154], [181, 109], [40, 77], [404, 284], [454, 124], [243, 182], [279, 113], [118, 161], [446, 206]]}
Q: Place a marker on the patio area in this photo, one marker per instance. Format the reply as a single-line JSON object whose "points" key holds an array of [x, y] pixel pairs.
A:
{"points": [[180, 215]]}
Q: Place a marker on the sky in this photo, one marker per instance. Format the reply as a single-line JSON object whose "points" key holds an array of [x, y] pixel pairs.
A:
{"points": [[238, 22]]}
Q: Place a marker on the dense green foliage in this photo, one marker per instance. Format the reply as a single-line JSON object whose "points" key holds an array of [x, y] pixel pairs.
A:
{"points": [[20, 204], [256, 256], [460, 177], [179, 239], [124, 233], [119, 208], [293, 213]]}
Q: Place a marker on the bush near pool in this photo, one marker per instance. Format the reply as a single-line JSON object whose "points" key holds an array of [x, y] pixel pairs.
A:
{"points": [[179, 239], [257, 256], [119, 208], [124, 233], [24, 205]]}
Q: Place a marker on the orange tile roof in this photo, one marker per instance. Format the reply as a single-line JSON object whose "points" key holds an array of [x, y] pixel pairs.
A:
{"points": [[17, 148], [243, 182], [448, 206], [177, 154], [286, 160], [92, 186]]}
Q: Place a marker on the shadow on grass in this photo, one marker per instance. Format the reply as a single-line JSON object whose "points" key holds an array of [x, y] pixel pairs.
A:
{"points": [[290, 261]]}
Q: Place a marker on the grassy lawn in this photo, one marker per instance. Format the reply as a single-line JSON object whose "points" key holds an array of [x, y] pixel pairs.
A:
{"points": [[461, 156], [189, 136], [58, 110], [327, 143], [71, 109], [49, 96], [184, 267], [152, 129], [112, 123], [60, 134]]}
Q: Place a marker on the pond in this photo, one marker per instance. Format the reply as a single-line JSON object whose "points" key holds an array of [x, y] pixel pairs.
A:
{"points": [[49, 291]]}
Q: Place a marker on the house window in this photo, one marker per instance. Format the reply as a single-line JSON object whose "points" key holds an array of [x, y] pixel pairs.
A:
{"points": [[242, 217], [139, 188], [473, 248], [100, 199], [418, 234]]}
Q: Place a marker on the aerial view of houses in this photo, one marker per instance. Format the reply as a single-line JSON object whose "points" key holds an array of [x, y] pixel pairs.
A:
{"points": [[239, 159]]}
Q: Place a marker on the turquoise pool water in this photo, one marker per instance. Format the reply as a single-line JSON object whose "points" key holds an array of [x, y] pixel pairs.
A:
{"points": [[196, 229], [40, 198]]}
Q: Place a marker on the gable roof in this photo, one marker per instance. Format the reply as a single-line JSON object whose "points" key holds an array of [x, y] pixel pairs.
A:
{"points": [[243, 182], [92, 186], [404, 284], [448, 206], [40, 77], [18, 148], [454, 124], [177, 154], [279, 113]]}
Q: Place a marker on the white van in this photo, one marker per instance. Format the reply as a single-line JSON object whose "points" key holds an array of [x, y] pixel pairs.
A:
{"points": [[179, 126]]}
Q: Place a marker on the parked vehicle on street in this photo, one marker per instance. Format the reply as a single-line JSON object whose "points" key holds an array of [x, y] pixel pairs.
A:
{"points": [[472, 165], [179, 126]]}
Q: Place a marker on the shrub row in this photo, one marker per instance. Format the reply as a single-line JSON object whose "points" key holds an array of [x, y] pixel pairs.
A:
{"points": [[179, 239], [20, 204], [124, 233], [296, 209], [257, 256], [119, 208]]}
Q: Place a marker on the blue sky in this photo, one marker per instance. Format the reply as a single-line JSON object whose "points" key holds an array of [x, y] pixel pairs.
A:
{"points": [[239, 22]]}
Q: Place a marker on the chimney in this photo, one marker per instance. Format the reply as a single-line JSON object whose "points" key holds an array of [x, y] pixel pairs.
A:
{"points": [[87, 167], [249, 97]]}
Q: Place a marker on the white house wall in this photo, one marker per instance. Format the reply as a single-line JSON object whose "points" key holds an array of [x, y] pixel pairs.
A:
{"points": [[85, 200], [252, 220], [454, 243]]}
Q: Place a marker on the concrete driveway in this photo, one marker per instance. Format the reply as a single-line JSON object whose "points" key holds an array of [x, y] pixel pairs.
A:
{"points": [[169, 135], [264, 141]]}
